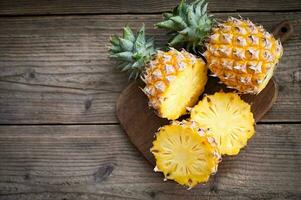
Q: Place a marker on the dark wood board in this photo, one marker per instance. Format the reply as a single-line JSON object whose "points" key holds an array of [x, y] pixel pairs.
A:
{"points": [[55, 70], [81, 162], [42, 7], [140, 122]]}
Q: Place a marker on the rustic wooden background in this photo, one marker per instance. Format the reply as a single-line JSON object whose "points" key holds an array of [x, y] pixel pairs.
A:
{"points": [[59, 136]]}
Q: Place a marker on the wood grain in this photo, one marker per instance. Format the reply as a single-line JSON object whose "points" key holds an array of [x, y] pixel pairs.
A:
{"points": [[97, 162], [32, 7], [56, 70]]}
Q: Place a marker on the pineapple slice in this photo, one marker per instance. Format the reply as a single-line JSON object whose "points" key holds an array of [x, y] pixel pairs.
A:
{"points": [[174, 81], [185, 154], [227, 119]]}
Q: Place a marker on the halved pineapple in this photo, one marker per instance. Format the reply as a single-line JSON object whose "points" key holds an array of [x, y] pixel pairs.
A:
{"points": [[227, 119], [185, 154], [174, 81]]}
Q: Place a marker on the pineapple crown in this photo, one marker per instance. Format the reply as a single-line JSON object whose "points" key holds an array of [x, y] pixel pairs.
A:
{"points": [[132, 51], [188, 24]]}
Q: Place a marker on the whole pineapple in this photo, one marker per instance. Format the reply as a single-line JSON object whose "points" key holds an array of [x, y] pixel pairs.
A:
{"points": [[227, 119], [241, 54], [185, 154], [173, 80]]}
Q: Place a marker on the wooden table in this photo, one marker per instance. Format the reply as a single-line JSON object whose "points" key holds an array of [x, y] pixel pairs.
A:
{"points": [[59, 136]]}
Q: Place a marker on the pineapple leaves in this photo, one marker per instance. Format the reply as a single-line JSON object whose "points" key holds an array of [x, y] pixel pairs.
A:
{"points": [[188, 24], [176, 40], [126, 67], [178, 21], [128, 34], [115, 40], [126, 44], [168, 24], [140, 40], [167, 15], [132, 51], [124, 56], [204, 10]]}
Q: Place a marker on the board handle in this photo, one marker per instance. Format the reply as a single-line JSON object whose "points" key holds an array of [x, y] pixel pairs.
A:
{"points": [[283, 31]]}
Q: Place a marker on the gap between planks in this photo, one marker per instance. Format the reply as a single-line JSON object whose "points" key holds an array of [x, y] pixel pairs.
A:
{"points": [[109, 124], [133, 13]]}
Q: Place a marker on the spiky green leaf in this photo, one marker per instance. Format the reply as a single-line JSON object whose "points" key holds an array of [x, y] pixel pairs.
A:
{"points": [[177, 40], [167, 15], [179, 22], [128, 34], [124, 56], [188, 24], [132, 51], [115, 49], [168, 24], [126, 44], [114, 40], [126, 67], [140, 40], [138, 64]]}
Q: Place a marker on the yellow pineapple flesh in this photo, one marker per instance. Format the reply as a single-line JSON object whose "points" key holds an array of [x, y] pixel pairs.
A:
{"points": [[227, 118], [174, 81], [185, 154], [242, 55]]}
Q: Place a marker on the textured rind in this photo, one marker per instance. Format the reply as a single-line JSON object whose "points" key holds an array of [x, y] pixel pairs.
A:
{"points": [[242, 55], [227, 118], [199, 152], [174, 81]]}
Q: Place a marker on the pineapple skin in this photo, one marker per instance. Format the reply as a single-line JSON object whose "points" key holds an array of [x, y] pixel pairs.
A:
{"points": [[242, 55], [174, 81], [227, 118], [185, 154]]}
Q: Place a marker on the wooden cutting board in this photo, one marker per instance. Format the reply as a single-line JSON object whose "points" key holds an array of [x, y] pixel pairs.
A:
{"points": [[140, 122]]}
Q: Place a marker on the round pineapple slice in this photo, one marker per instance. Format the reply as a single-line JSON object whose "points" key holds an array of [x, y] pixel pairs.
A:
{"points": [[174, 81], [227, 118], [185, 154]]}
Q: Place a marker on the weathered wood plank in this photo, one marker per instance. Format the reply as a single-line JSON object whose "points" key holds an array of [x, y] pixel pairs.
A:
{"points": [[32, 7], [98, 162], [56, 70]]}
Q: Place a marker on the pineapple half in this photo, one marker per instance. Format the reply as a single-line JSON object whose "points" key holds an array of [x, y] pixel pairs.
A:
{"points": [[242, 55], [173, 79], [227, 118], [185, 154]]}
